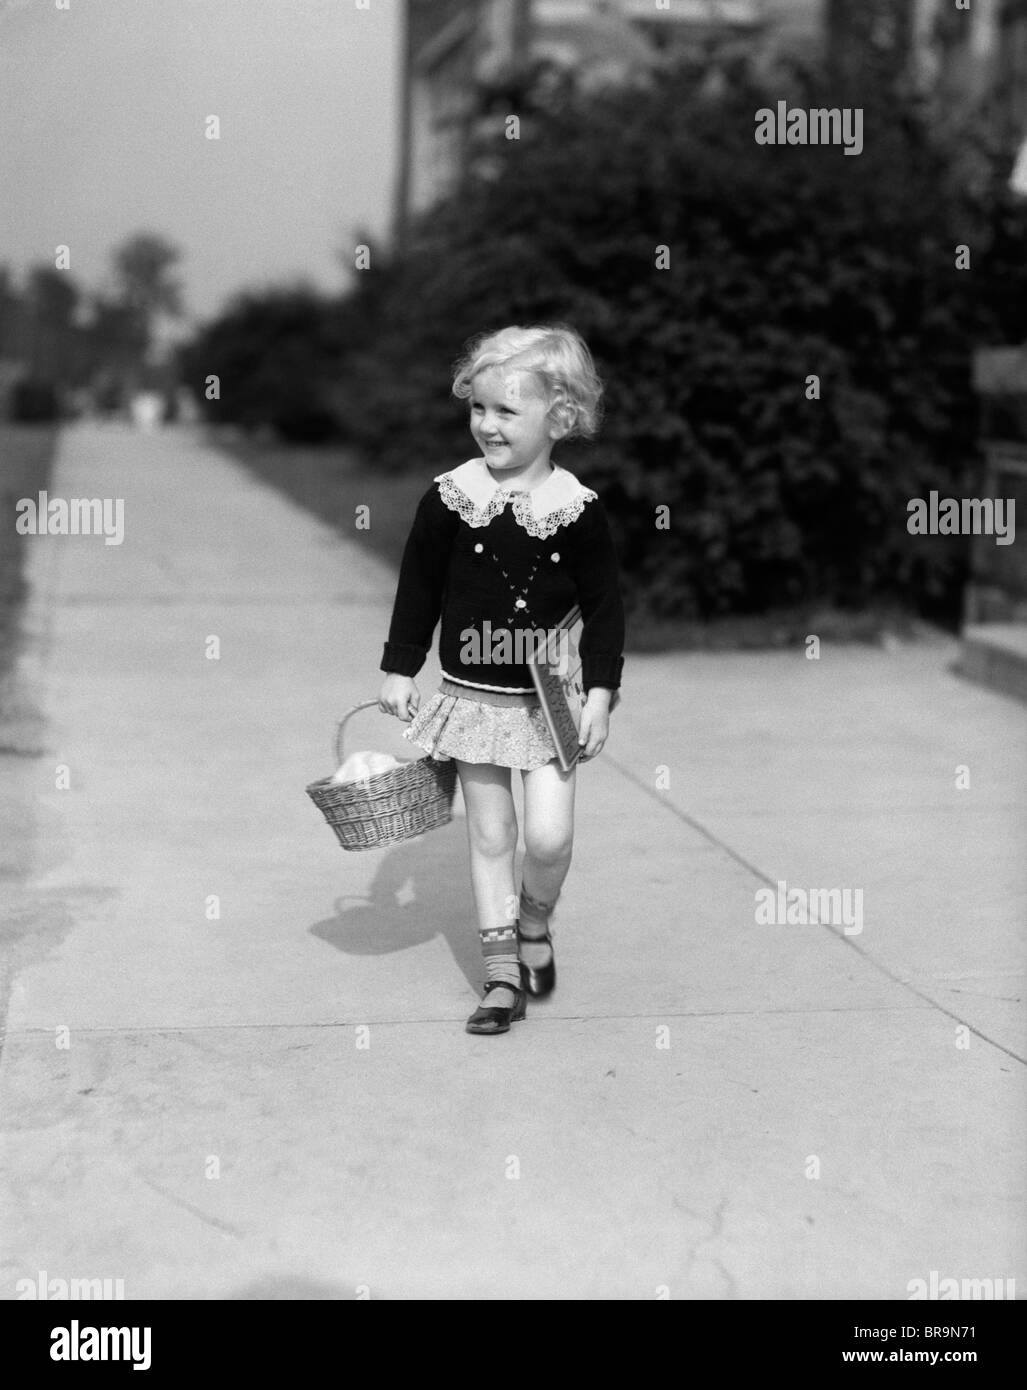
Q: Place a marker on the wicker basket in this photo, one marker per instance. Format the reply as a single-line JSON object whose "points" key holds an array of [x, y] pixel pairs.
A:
{"points": [[389, 807]]}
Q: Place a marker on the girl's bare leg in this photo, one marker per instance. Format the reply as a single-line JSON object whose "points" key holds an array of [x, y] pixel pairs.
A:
{"points": [[492, 838], [548, 845]]}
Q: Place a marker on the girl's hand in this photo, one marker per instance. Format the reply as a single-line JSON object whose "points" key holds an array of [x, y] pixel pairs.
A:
{"points": [[399, 696], [595, 723]]}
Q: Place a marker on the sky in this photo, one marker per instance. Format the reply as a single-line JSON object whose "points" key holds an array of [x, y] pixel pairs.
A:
{"points": [[102, 115]]}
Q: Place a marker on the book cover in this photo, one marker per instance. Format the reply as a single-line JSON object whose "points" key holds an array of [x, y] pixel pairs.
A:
{"points": [[556, 672]]}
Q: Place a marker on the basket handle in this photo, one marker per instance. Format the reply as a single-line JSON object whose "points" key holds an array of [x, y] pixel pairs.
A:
{"points": [[340, 732]]}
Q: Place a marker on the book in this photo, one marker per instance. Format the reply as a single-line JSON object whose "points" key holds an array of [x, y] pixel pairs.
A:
{"points": [[556, 673]]}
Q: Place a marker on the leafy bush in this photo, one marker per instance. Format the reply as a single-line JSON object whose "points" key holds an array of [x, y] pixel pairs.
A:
{"points": [[275, 354], [785, 262]]}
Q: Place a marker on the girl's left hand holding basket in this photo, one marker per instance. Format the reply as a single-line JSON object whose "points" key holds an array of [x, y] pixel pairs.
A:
{"points": [[399, 696]]}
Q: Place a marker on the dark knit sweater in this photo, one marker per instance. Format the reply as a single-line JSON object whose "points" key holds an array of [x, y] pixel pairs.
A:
{"points": [[453, 565]]}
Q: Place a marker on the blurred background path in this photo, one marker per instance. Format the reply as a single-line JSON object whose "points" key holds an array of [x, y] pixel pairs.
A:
{"points": [[274, 1097]]}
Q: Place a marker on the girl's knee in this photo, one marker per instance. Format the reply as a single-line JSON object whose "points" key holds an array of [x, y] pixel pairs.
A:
{"points": [[549, 847], [493, 839]]}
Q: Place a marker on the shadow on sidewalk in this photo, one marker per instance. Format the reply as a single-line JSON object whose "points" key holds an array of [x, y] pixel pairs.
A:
{"points": [[421, 890]]}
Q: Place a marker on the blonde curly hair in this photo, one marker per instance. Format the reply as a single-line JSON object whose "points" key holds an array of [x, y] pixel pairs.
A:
{"points": [[556, 355]]}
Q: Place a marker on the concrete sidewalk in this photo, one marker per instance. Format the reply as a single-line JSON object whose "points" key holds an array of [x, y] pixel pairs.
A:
{"points": [[708, 1106]]}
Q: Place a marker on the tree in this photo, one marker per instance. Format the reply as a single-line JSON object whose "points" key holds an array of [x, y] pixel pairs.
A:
{"points": [[275, 354], [51, 299], [144, 280], [118, 336], [11, 315]]}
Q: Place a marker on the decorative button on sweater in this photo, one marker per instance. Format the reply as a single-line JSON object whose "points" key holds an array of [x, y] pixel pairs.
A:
{"points": [[440, 578]]}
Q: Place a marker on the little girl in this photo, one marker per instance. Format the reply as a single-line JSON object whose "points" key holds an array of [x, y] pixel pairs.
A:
{"points": [[502, 545]]}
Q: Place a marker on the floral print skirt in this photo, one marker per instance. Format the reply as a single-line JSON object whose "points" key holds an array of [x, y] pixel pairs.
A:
{"points": [[483, 727]]}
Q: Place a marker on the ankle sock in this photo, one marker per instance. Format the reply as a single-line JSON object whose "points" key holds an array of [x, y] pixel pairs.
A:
{"points": [[534, 923], [499, 949]]}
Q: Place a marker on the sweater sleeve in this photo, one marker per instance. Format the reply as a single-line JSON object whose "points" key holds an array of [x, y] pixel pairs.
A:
{"points": [[422, 579], [597, 577]]}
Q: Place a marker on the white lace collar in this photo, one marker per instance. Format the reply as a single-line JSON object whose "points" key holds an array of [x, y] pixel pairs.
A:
{"points": [[472, 491]]}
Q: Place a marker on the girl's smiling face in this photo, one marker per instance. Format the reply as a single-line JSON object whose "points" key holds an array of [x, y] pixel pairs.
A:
{"points": [[510, 420]]}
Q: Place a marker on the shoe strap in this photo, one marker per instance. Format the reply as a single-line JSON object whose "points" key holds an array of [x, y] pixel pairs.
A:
{"points": [[500, 984], [546, 940]]}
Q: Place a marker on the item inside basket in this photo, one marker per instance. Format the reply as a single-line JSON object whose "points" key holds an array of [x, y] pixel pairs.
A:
{"points": [[366, 763]]}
